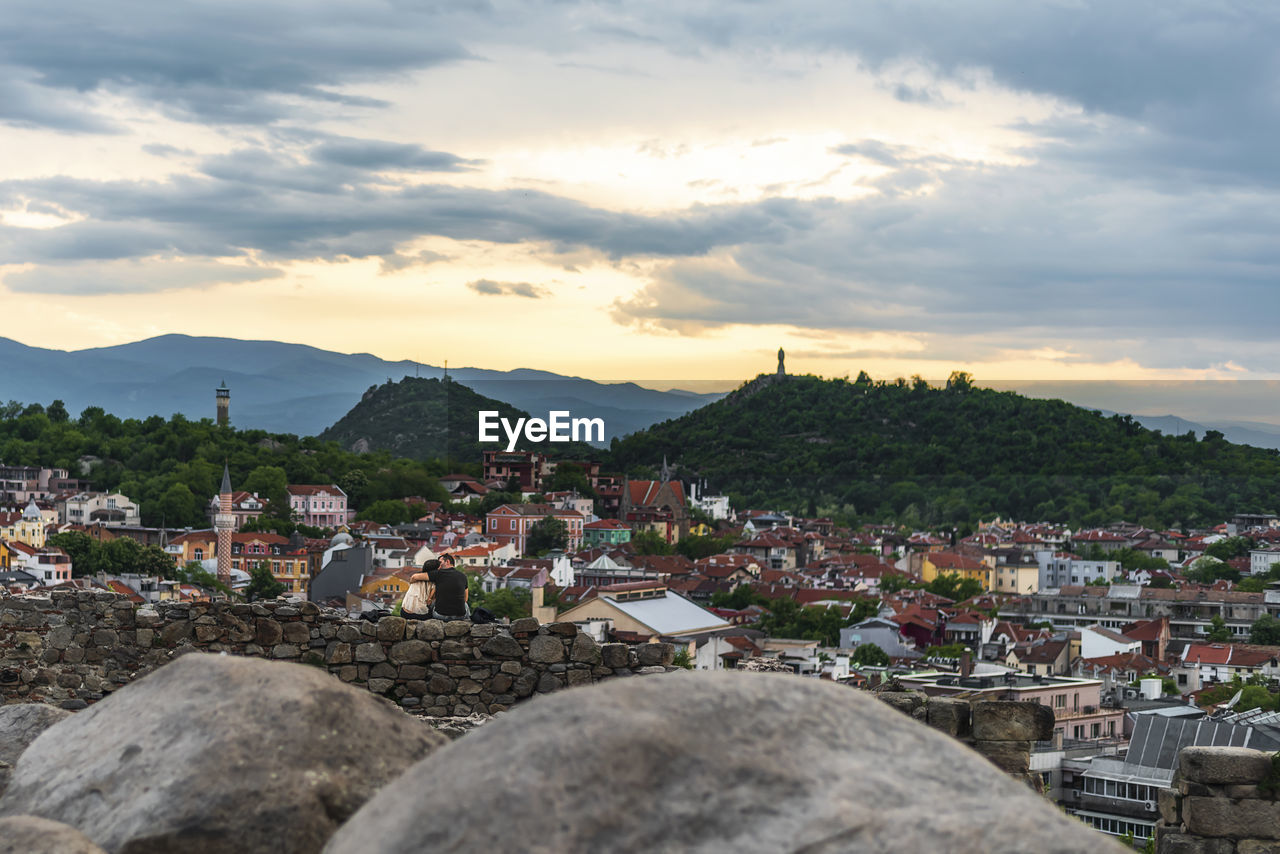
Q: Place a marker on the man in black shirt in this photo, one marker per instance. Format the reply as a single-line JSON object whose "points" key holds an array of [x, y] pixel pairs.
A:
{"points": [[449, 598]]}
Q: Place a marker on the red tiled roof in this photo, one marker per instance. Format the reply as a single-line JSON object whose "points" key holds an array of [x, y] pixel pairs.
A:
{"points": [[605, 525], [313, 488], [951, 560], [645, 492]]}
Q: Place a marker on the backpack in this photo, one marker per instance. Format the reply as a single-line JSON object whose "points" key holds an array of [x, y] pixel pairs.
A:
{"points": [[483, 616]]}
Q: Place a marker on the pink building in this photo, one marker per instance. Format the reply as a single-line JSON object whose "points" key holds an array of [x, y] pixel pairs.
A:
{"points": [[320, 506]]}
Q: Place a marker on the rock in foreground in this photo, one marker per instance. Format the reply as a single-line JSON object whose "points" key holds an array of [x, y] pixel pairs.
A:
{"points": [[217, 754], [709, 762], [26, 834], [21, 724]]}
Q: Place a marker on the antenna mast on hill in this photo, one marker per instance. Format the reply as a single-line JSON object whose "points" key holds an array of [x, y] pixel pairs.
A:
{"points": [[446, 369]]}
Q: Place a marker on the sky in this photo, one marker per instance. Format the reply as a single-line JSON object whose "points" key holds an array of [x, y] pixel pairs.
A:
{"points": [[1056, 190]]}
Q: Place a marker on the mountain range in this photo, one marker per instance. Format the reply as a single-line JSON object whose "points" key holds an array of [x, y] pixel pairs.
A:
{"points": [[294, 388], [299, 389]]}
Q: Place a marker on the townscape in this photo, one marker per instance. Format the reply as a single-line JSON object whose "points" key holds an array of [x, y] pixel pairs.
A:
{"points": [[1141, 641]]}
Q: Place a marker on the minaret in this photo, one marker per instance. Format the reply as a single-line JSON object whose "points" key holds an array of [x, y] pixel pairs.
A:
{"points": [[224, 523], [666, 470], [224, 404]]}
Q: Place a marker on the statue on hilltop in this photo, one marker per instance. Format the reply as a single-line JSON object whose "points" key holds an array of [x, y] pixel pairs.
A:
{"points": [[782, 372]]}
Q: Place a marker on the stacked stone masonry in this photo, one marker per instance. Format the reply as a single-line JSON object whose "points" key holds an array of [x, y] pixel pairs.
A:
{"points": [[72, 648], [1003, 731], [1223, 801]]}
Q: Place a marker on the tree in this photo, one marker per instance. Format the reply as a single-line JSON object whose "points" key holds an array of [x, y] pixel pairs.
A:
{"points": [[869, 655], [960, 381], [154, 561], [510, 602], [1265, 631], [1218, 632], [951, 586], [386, 512], [180, 506], [270, 483], [81, 548], [570, 478], [696, 547], [57, 412], [262, 584], [892, 583], [1161, 582], [741, 597], [650, 543], [546, 534], [194, 573]]}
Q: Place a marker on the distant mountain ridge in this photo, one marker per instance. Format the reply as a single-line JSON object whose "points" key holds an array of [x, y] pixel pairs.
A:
{"points": [[293, 388]]}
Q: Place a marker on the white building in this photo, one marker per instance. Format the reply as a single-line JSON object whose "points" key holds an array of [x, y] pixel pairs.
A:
{"points": [[1063, 569], [1097, 642], [1260, 560], [86, 508]]}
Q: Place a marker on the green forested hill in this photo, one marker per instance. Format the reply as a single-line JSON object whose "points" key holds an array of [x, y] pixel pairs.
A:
{"points": [[934, 456], [174, 467], [428, 419]]}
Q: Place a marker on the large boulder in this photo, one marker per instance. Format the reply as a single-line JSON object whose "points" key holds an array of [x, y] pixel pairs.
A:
{"points": [[710, 762], [20, 724], [218, 754], [26, 834]]}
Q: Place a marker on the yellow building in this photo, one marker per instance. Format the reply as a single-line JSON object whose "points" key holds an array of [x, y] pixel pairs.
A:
{"points": [[25, 527], [1016, 578], [935, 564], [387, 585]]}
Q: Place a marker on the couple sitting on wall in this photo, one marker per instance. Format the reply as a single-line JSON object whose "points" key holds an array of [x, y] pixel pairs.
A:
{"points": [[439, 592]]}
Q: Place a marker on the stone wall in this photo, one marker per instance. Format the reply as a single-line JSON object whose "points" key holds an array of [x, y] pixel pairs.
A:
{"points": [[73, 647], [1216, 805], [1004, 731]]}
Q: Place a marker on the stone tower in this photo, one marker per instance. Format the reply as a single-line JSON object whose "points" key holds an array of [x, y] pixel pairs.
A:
{"points": [[224, 404], [782, 372], [224, 523]]}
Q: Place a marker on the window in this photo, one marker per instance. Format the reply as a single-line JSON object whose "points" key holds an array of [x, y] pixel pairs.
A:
{"points": [[1095, 730]]}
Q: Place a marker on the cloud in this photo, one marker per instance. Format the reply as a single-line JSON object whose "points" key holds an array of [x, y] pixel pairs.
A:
{"points": [[378, 155], [517, 289], [227, 61], [131, 276], [285, 206], [396, 262], [26, 105]]}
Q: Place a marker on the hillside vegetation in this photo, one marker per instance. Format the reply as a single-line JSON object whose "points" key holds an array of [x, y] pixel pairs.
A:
{"points": [[173, 467], [929, 456], [429, 419]]}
